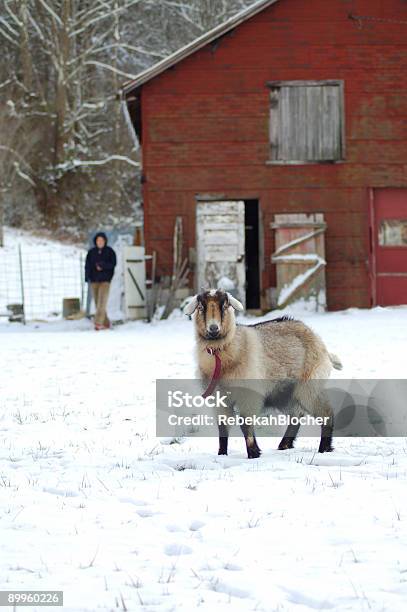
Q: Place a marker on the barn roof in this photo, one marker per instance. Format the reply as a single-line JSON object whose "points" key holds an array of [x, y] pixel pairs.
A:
{"points": [[195, 45]]}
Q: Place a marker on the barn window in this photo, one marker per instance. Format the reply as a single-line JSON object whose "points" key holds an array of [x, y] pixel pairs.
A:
{"points": [[393, 232], [306, 121]]}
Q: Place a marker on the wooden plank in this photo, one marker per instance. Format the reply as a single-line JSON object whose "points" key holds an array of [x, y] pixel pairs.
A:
{"points": [[273, 84], [274, 124], [226, 238], [305, 224]]}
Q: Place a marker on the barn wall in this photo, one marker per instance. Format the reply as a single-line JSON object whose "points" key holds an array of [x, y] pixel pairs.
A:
{"points": [[205, 129]]}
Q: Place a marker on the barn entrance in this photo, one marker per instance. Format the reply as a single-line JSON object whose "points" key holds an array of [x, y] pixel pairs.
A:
{"points": [[389, 246], [252, 249], [227, 238]]}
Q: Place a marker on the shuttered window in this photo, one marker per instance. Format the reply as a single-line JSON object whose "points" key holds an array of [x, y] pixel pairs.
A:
{"points": [[306, 121]]}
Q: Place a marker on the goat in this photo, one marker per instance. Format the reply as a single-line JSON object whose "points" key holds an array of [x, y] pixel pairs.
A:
{"points": [[281, 356]]}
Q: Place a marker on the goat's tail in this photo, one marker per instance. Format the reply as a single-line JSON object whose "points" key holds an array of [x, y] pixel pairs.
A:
{"points": [[336, 362]]}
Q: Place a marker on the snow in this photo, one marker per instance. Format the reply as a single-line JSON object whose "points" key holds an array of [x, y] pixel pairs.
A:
{"points": [[226, 284], [92, 503], [77, 163], [306, 257]]}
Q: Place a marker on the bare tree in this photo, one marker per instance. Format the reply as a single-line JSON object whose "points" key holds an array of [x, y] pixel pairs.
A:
{"points": [[71, 149], [206, 14], [64, 87]]}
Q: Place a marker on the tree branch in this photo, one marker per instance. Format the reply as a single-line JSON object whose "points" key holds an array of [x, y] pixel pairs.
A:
{"points": [[51, 12], [115, 70]]}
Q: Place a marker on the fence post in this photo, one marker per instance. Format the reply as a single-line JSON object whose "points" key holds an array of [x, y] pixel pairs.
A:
{"points": [[20, 257], [81, 276], [1, 221]]}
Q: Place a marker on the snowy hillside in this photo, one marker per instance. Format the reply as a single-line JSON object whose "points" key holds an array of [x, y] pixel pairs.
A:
{"points": [[92, 503]]}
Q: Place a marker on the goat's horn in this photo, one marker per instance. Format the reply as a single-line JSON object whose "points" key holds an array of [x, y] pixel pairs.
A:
{"points": [[234, 302], [191, 306]]}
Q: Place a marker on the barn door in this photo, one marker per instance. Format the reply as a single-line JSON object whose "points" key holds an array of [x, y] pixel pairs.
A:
{"points": [[389, 226], [300, 258], [220, 233]]}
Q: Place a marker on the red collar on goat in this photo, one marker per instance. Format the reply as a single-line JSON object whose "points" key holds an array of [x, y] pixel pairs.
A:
{"points": [[216, 372]]}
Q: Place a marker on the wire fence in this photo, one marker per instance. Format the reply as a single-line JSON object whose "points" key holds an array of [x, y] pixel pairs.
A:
{"points": [[36, 281]]}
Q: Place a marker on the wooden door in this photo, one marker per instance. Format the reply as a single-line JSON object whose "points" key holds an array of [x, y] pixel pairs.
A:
{"points": [[220, 232], [389, 241], [134, 281], [300, 258]]}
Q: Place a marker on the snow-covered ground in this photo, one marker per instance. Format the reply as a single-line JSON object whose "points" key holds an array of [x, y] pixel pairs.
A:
{"points": [[93, 504]]}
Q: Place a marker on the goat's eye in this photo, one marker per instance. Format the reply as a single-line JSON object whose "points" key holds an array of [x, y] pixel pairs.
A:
{"points": [[200, 307]]}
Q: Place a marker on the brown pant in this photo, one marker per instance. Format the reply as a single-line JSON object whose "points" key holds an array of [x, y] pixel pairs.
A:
{"points": [[101, 295]]}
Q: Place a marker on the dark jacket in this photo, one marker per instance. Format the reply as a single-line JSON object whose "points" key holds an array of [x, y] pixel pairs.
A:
{"points": [[103, 258]]}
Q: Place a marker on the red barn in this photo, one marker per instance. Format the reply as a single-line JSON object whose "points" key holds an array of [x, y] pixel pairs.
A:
{"points": [[293, 113]]}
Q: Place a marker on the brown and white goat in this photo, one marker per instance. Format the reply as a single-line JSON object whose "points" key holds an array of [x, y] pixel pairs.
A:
{"points": [[281, 356]]}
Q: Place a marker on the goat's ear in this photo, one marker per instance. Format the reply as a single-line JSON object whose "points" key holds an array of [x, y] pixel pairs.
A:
{"points": [[235, 303], [191, 306]]}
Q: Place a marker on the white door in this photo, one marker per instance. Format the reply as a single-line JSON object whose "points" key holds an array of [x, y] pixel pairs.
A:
{"points": [[134, 281], [220, 233]]}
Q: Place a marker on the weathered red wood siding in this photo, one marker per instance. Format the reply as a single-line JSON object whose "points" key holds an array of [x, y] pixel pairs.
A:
{"points": [[205, 129]]}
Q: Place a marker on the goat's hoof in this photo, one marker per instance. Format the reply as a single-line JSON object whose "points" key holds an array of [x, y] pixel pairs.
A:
{"points": [[253, 453], [325, 449], [285, 445], [222, 452]]}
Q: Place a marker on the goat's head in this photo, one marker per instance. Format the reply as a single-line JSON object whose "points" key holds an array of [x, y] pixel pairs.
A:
{"points": [[214, 318]]}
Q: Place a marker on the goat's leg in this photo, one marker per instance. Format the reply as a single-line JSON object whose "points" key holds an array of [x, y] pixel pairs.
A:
{"points": [[223, 439], [253, 450], [287, 441], [325, 410], [325, 446], [311, 399], [223, 428], [293, 407]]}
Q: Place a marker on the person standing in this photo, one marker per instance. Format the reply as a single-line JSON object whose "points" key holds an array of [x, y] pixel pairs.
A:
{"points": [[99, 270]]}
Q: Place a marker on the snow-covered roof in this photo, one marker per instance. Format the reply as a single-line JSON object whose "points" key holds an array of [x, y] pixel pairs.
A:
{"points": [[195, 45]]}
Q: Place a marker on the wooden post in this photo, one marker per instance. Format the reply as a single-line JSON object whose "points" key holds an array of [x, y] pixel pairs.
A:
{"points": [[70, 307], [20, 259], [180, 268]]}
